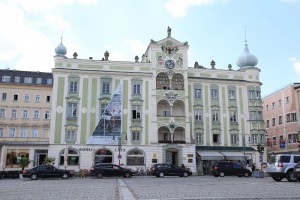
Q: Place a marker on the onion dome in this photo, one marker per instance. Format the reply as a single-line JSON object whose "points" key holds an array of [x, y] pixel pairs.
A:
{"points": [[61, 50], [246, 59]]}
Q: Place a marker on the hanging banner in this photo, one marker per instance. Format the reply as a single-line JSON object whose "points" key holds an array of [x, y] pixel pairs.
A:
{"points": [[108, 129]]}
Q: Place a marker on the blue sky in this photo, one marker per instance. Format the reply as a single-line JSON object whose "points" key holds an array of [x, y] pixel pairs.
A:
{"points": [[215, 29]]}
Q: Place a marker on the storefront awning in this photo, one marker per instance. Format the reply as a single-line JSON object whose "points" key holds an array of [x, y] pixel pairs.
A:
{"points": [[210, 155], [230, 155]]}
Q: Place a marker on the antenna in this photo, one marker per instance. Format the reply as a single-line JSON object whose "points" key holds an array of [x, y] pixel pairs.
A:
{"points": [[245, 35]]}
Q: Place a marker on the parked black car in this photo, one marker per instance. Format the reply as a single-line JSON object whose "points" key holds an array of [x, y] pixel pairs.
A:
{"points": [[297, 171], [100, 170], [165, 169], [223, 168], [46, 171]]}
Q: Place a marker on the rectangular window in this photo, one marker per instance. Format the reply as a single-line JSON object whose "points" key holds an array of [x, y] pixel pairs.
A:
{"points": [[4, 96], [137, 89], [72, 110], [268, 123], [14, 113], [2, 113], [102, 108], [37, 98], [234, 138], [231, 94], [38, 80], [47, 114], [6, 79], [135, 136], [73, 86], [26, 97], [258, 95], [71, 135], [23, 132], [293, 117], [252, 94], [27, 79], [198, 115], [166, 113], [273, 121], [12, 132], [287, 99], [293, 138], [16, 97], [279, 103], [252, 115], [49, 81], [273, 105], [48, 98], [105, 88], [233, 116], [36, 114], [216, 138], [17, 79], [288, 118], [198, 93], [136, 112], [215, 115], [199, 138], [25, 113], [45, 132], [1, 132], [280, 120], [267, 107], [35, 132], [255, 138], [214, 94]]}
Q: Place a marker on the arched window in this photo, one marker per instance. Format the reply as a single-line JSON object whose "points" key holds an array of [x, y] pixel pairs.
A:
{"points": [[103, 156], [135, 157], [73, 157]]}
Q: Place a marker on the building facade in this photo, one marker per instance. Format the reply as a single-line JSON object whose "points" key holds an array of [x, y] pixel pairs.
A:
{"points": [[25, 113], [281, 116], [154, 110]]}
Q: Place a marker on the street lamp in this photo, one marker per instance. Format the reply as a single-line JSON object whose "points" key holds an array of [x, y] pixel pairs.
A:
{"points": [[244, 145], [120, 145]]}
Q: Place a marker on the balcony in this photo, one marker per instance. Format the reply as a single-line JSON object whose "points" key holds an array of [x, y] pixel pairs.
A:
{"points": [[170, 142]]}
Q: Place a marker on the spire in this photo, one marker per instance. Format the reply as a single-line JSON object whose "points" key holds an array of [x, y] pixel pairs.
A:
{"points": [[61, 50], [169, 31]]}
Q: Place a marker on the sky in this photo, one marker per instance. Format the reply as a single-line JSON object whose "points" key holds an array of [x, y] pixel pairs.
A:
{"points": [[214, 29]]}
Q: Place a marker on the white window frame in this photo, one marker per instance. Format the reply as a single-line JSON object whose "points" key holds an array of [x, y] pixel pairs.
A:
{"points": [[47, 114], [49, 81], [199, 137], [252, 94], [231, 94], [233, 116], [136, 136], [26, 97], [14, 113], [17, 79], [36, 114], [136, 112], [198, 115], [105, 87], [71, 135], [215, 115], [198, 93], [23, 132], [1, 132], [72, 110], [214, 93], [4, 96], [25, 114], [136, 89], [37, 98], [73, 86], [35, 132], [39, 80], [12, 132], [234, 138], [27, 79], [2, 112], [6, 79]]}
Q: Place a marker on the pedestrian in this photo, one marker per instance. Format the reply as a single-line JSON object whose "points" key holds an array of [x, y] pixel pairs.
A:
{"points": [[249, 167]]}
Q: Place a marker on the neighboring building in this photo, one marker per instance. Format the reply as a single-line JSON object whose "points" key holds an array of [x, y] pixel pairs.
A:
{"points": [[154, 110], [281, 116], [25, 112]]}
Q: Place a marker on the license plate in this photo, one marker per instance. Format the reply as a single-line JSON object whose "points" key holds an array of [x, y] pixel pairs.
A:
{"points": [[298, 170]]}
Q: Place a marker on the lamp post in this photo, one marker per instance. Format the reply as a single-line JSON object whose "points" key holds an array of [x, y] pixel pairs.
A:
{"points": [[120, 145], [244, 146]]}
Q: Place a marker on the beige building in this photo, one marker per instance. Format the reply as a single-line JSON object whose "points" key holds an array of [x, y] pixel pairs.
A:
{"points": [[25, 113], [281, 116]]}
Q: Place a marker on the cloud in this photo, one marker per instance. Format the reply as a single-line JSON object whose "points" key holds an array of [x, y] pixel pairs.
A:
{"points": [[178, 8], [296, 65], [23, 40], [289, 1], [136, 46]]}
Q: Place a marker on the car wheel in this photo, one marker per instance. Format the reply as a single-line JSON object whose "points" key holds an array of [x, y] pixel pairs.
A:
{"points": [[185, 174], [161, 174], [99, 175], [34, 177], [290, 176], [65, 176], [215, 175], [222, 174], [277, 178], [246, 174], [127, 175], [298, 179]]}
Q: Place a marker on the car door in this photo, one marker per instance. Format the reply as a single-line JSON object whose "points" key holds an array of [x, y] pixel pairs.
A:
{"points": [[237, 169], [41, 171], [52, 172]]}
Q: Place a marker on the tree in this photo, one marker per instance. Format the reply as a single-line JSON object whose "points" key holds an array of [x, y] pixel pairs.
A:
{"points": [[23, 162], [49, 161]]}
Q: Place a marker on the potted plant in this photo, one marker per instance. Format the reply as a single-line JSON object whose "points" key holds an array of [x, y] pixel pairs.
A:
{"points": [[23, 162], [49, 161]]}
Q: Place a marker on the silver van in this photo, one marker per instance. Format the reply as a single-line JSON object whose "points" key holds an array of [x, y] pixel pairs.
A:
{"points": [[281, 166]]}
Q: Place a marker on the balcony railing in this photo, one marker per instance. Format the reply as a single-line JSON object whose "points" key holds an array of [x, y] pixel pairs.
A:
{"points": [[24, 140], [174, 142]]}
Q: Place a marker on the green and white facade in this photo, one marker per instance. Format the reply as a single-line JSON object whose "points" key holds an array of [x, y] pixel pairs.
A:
{"points": [[170, 112]]}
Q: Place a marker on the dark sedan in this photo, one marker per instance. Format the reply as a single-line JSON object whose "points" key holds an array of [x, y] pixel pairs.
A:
{"points": [[102, 169], [166, 169], [297, 171], [46, 171]]}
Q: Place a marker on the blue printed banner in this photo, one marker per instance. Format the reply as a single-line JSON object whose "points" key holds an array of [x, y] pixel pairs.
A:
{"points": [[108, 129]]}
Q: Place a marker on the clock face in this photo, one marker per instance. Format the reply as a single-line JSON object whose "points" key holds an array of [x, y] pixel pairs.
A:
{"points": [[170, 64]]}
